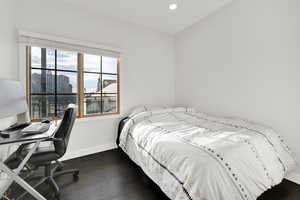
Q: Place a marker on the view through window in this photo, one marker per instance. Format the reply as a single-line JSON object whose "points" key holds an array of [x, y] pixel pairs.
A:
{"points": [[59, 78]]}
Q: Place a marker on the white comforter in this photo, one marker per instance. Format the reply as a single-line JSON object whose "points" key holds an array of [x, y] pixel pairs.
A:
{"points": [[194, 156]]}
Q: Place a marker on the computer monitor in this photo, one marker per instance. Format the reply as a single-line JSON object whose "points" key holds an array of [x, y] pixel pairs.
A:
{"points": [[12, 100]]}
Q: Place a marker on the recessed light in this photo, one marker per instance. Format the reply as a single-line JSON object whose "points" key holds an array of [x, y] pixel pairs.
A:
{"points": [[173, 6]]}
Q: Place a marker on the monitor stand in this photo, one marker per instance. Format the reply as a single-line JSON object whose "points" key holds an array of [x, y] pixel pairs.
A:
{"points": [[23, 121]]}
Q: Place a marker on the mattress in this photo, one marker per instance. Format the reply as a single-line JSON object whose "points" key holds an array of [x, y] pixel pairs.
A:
{"points": [[191, 155]]}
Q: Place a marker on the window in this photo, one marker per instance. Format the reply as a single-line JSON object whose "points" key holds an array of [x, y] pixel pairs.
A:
{"points": [[57, 78]]}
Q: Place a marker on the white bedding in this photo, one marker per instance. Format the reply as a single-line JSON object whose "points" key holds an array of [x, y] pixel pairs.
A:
{"points": [[194, 156]]}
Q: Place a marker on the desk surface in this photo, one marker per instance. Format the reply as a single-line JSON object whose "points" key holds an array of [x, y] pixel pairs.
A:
{"points": [[17, 137]]}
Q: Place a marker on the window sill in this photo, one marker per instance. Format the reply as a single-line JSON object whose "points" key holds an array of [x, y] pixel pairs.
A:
{"points": [[99, 118], [90, 118]]}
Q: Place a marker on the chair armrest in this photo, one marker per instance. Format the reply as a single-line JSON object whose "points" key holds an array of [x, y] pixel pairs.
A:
{"points": [[54, 140]]}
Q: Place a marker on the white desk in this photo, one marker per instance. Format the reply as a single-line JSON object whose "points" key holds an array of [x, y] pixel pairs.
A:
{"points": [[13, 175]]}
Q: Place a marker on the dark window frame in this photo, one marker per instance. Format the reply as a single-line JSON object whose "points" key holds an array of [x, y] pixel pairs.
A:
{"points": [[80, 94]]}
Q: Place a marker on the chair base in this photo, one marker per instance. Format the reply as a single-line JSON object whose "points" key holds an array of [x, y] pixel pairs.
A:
{"points": [[50, 174]]}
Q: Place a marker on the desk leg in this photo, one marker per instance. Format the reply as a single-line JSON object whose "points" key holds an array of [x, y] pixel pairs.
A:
{"points": [[15, 177], [21, 182]]}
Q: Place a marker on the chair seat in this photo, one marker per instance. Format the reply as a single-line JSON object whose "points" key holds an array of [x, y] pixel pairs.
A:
{"points": [[43, 154]]}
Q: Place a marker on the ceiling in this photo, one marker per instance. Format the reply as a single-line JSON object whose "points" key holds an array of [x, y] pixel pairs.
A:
{"points": [[153, 13]]}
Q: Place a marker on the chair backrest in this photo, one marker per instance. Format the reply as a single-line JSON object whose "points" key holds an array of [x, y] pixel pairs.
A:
{"points": [[64, 131]]}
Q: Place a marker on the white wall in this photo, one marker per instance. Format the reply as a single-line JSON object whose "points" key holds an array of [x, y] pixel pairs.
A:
{"points": [[8, 49], [245, 61], [146, 67]]}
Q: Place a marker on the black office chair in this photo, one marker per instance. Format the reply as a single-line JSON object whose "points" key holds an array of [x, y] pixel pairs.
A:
{"points": [[48, 152]]}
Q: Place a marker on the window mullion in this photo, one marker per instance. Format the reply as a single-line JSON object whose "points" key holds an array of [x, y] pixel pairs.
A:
{"points": [[28, 74], [80, 85], [43, 80], [118, 86], [55, 82], [101, 85]]}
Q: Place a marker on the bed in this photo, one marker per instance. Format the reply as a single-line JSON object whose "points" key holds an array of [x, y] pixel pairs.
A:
{"points": [[191, 155]]}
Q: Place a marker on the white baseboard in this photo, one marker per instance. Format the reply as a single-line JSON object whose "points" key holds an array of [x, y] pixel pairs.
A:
{"points": [[88, 151], [294, 176]]}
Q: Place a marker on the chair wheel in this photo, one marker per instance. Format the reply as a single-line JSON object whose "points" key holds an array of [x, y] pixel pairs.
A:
{"points": [[76, 176], [57, 196]]}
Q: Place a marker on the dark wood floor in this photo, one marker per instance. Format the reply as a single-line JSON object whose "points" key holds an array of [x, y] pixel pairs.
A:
{"points": [[111, 176]]}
